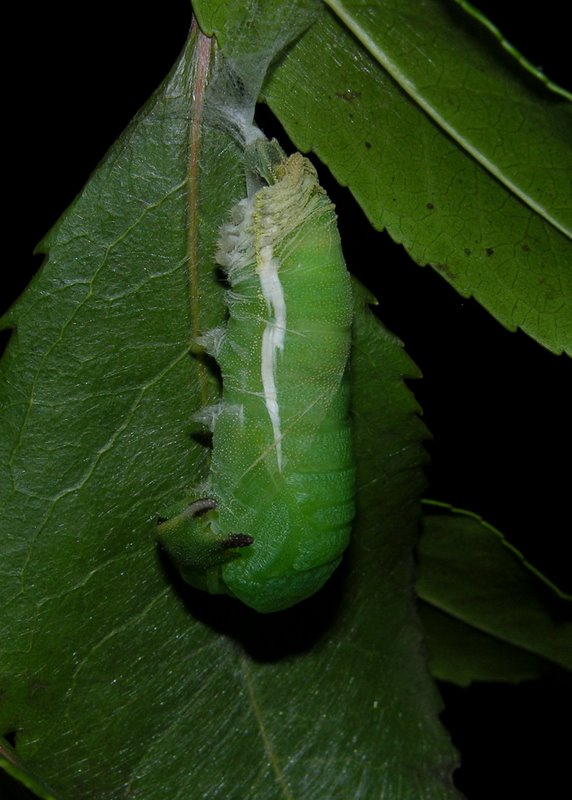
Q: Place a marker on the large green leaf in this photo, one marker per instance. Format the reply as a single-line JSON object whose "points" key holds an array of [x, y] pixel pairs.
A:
{"points": [[449, 142], [489, 615], [117, 679]]}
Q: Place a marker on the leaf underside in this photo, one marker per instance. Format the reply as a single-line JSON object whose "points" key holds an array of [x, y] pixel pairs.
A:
{"points": [[449, 143], [488, 614], [119, 680]]}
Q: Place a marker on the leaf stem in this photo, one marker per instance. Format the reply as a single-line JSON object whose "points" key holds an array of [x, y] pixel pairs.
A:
{"points": [[203, 53]]}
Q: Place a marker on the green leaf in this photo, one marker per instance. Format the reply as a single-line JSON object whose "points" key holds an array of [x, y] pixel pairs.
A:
{"points": [[244, 31], [489, 615], [461, 654], [448, 142], [118, 679]]}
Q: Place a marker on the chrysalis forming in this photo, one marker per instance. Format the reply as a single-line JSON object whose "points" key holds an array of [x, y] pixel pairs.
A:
{"points": [[274, 518]]}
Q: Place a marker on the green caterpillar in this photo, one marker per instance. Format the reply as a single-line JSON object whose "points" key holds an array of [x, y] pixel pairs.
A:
{"points": [[274, 518]]}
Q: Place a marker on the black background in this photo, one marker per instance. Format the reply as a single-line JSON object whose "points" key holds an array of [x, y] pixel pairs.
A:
{"points": [[497, 403]]}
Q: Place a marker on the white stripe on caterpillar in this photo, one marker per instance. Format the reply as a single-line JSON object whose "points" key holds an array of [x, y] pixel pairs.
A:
{"points": [[272, 339]]}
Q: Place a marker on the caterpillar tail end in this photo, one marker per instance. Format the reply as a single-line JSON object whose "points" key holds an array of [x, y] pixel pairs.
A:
{"points": [[197, 549]]}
